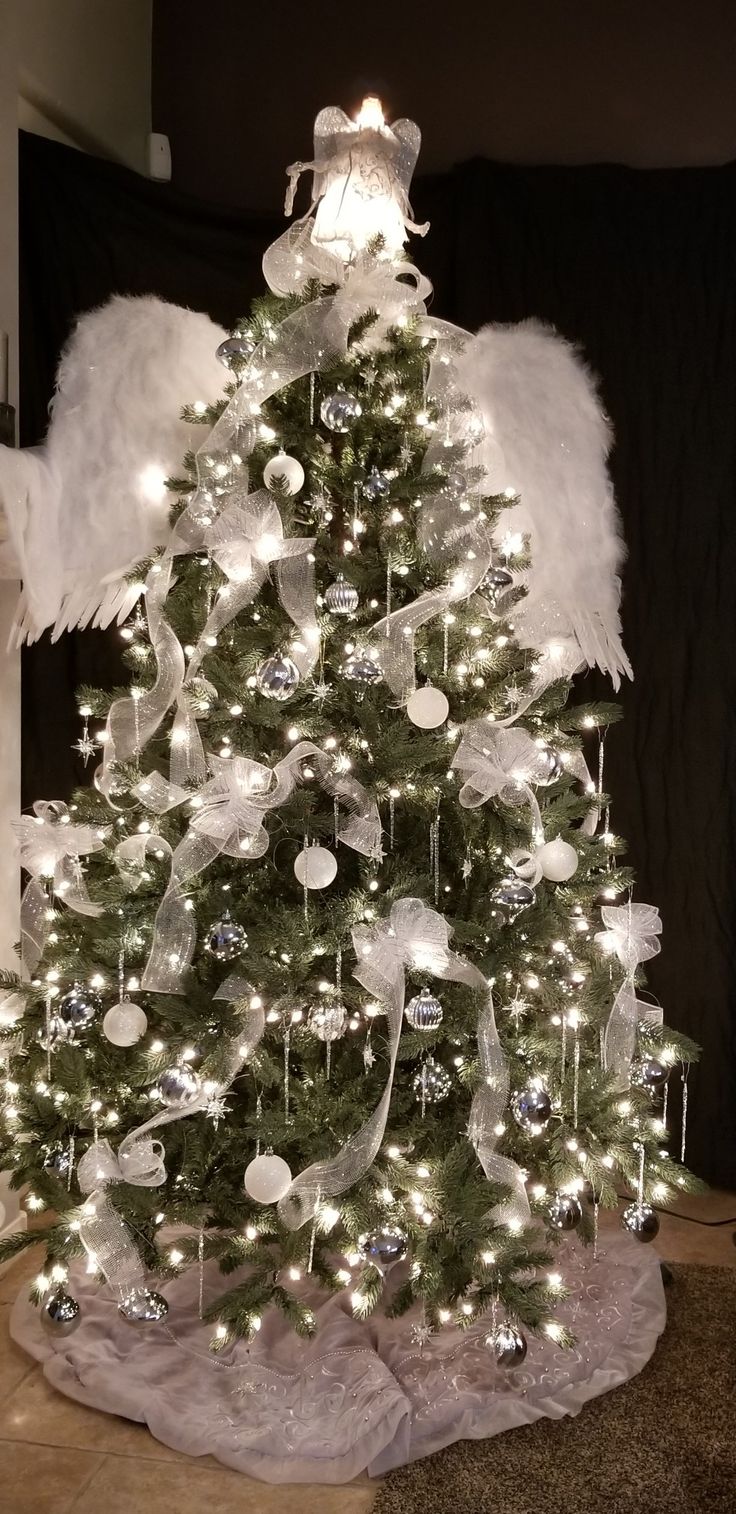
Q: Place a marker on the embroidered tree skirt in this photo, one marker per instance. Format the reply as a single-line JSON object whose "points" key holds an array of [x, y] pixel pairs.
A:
{"points": [[359, 1396]]}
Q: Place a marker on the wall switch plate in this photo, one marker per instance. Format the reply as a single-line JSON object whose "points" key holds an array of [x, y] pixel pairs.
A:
{"points": [[159, 156]]}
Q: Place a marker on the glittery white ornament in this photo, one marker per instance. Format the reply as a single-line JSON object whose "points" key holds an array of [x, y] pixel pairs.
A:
{"points": [[267, 1178], [125, 1023], [282, 467], [427, 708], [315, 867], [558, 860]]}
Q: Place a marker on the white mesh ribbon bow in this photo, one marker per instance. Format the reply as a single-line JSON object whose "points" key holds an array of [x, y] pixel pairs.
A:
{"points": [[413, 936], [51, 846], [500, 762], [631, 933]]}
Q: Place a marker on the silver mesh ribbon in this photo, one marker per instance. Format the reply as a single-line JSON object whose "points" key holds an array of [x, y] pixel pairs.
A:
{"points": [[500, 762], [51, 846], [416, 936], [229, 819], [632, 932]]}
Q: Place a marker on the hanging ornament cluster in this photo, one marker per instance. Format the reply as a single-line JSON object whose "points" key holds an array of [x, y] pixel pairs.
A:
{"points": [[424, 1012], [558, 860], [227, 940], [285, 470], [432, 1083], [235, 351], [507, 1344], [315, 867], [385, 1246], [267, 1178], [565, 1212], [427, 708], [641, 1221], [342, 598], [78, 1007], [362, 667], [125, 1023], [532, 1108], [340, 410], [60, 1312], [143, 1307], [277, 677], [178, 1086]]}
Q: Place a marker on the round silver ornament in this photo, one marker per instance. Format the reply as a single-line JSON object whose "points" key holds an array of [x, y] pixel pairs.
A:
{"points": [[376, 485], [178, 1086], [227, 940], [512, 895], [143, 1307], [57, 1161], [424, 1012], [455, 486], [284, 470], [125, 1023], [384, 1246], [362, 668], [327, 1021], [339, 410], [267, 1178], [78, 1006], [234, 352], [507, 1344], [551, 767], [342, 598], [565, 1212], [432, 1083], [57, 1033], [641, 1221], [277, 677], [531, 1108], [648, 1072], [60, 1313], [495, 583]]}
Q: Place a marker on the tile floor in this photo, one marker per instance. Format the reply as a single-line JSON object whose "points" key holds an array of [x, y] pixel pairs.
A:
{"points": [[58, 1457]]}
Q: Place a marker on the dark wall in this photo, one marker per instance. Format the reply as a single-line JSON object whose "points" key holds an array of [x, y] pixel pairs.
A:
{"points": [[645, 82]]}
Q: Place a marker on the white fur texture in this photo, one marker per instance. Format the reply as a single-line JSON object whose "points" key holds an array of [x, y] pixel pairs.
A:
{"points": [[548, 438], [87, 505]]}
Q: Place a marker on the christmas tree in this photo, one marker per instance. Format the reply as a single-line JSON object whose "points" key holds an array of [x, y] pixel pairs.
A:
{"points": [[342, 919]]}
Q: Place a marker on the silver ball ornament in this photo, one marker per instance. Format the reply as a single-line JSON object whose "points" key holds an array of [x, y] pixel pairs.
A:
{"points": [[342, 598], [641, 1221], [507, 1344], [57, 1033], [385, 1246], [649, 1073], [376, 485], [512, 895], [60, 1313], [227, 940], [142, 1306], [235, 351], [57, 1162], [338, 411], [455, 486], [178, 1086], [327, 1021], [424, 1012], [267, 1178], [565, 1212], [432, 1083], [277, 677], [78, 1007], [531, 1108], [551, 767], [284, 471], [362, 668], [495, 583], [125, 1023], [315, 867]]}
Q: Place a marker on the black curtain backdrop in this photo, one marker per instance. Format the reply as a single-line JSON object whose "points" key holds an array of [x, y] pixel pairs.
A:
{"points": [[637, 267]]}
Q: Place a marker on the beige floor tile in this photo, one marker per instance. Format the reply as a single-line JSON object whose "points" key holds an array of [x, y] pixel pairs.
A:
{"points": [[18, 1272], [36, 1412], [122, 1485], [15, 1366], [43, 1479]]}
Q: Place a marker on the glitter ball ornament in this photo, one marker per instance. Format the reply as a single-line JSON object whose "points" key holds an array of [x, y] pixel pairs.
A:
{"points": [[277, 677], [235, 351], [551, 766], [376, 486], [315, 867], [432, 1083], [79, 1006], [424, 1012], [427, 708], [647, 1072], [512, 895], [565, 1212], [641, 1221], [507, 1344], [525, 865], [57, 1162], [178, 1086], [384, 1246], [227, 940], [339, 410], [454, 486], [267, 1178], [56, 1034], [342, 598], [60, 1313], [327, 1021], [495, 583], [143, 1307], [558, 860], [125, 1023], [362, 668], [531, 1108], [284, 470]]}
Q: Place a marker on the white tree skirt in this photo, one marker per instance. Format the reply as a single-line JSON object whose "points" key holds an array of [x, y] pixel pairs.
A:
{"points": [[359, 1396]]}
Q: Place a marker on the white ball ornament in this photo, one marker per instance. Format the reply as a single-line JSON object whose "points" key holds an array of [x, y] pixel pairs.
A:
{"points": [[558, 860], [267, 1178], [125, 1023], [283, 467], [427, 708], [315, 867]]}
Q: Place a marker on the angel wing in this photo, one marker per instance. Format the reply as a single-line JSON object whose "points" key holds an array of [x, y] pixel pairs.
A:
{"points": [[90, 503], [547, 437]]}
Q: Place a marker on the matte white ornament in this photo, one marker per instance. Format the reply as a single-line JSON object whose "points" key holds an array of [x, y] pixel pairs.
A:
{"points": [[267, 1178], [315, 867], [558, 860], [284, 467], [125, 1023], [427, 708]]}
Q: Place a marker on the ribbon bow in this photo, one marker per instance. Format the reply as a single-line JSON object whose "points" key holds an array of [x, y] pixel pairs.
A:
{"points": [[500, 761], [50, 848], [631, 933]]}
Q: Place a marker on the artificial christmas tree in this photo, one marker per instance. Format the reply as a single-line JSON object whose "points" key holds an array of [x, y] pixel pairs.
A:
{"points": [[329, 1012]]}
